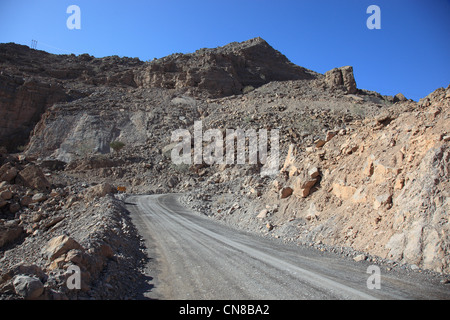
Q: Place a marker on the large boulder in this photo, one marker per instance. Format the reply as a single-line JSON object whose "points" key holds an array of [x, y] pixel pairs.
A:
{"points": [[7, 172], [60, 245], [9, 232], [98, 191], [33, 177], [399, 97], [28, 287]]}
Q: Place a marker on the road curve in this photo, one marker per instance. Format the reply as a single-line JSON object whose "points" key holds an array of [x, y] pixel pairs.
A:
{"points": [[195, 257]]}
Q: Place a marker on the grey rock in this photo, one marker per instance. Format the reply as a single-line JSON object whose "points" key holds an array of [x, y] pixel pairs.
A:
{"points": [[360, 257], [9, 233], [28, 287], [39, 197]]}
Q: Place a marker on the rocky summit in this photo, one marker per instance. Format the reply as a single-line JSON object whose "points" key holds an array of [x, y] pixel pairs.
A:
{"points": [[361, 174]]}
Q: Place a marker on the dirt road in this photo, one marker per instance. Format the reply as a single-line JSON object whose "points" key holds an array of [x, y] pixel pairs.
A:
{"points": [[194, 257]]}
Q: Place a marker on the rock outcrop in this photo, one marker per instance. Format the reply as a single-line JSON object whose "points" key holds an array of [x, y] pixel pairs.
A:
{"points": [[31, 81], [341, 78], [22, 102], [222, 71]]}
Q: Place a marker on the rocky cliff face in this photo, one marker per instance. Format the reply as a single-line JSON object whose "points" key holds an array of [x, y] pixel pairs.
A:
{"points": [[383, 187], [31, 81], [21, 105]]}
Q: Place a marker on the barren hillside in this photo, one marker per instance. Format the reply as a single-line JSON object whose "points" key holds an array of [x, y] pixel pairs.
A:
{"points": [[358, 170]]}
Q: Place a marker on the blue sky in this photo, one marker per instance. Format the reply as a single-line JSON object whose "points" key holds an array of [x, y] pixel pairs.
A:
{"points": [[409, 54]]}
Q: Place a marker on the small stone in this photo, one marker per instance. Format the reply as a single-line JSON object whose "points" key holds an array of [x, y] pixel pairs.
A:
{"points": [[330, 135], [255, 191], [313, 172], [285, 192], [399, 184], [14, 208], [105, 250], [360, 257], [382, 200], [38, 197], [262, 214], [25, 201], [320, 143], [6, 195]]}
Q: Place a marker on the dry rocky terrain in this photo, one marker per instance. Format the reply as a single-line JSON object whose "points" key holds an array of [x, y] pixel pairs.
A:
{"points": [[47, 227], [361, 173], [379, 187]]}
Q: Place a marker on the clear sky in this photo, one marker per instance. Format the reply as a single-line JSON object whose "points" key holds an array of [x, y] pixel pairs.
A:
{"points": [[409, 54]]}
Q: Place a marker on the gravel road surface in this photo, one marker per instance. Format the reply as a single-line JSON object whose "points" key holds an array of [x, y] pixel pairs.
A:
{"points": [[195, 257]]}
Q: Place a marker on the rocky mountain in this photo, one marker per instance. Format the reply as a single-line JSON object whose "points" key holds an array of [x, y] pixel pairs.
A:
{"points": [[359, 171], [33, 81]]}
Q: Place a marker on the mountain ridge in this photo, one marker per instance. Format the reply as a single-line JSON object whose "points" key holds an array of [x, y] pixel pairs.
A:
{"points": [[207, 73]]}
